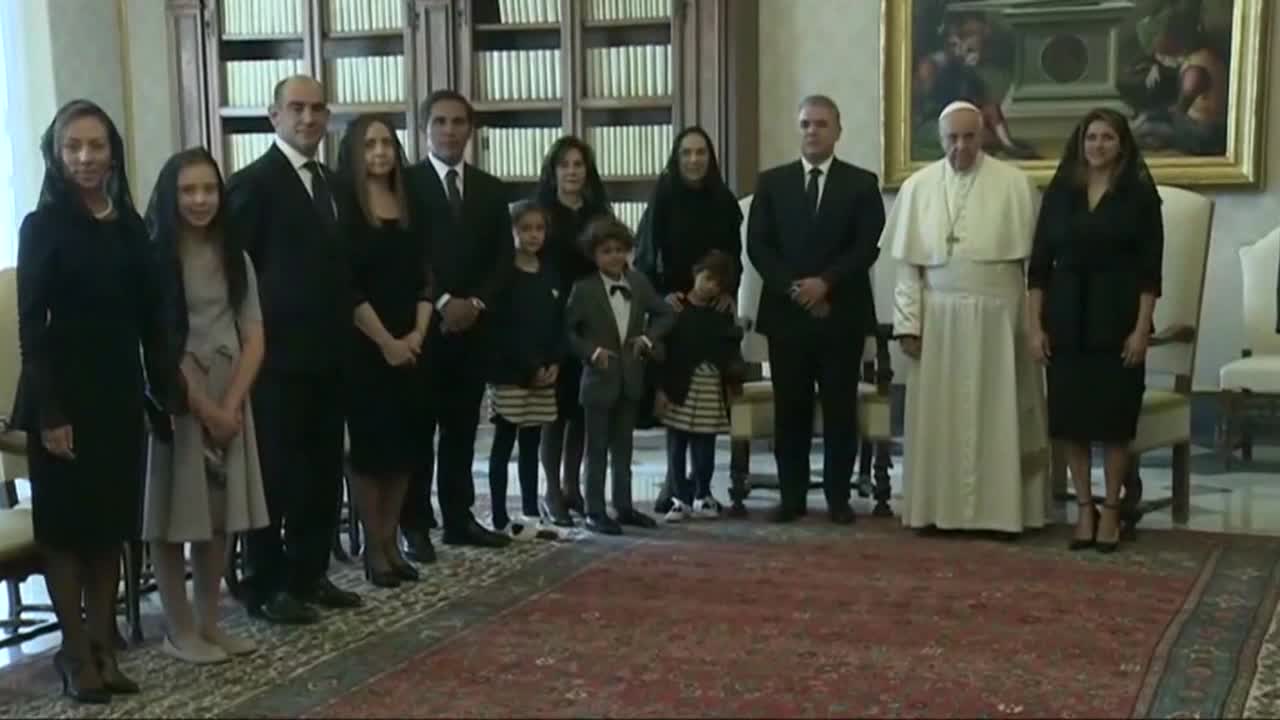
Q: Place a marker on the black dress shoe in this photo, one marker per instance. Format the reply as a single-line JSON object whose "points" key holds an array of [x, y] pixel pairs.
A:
{"points": [[636, 518], [327, 595], [557, 514], [603, 524], [476, 536], [576, 504], [405, 571], [383, 579], [284, 609], [784, 514], [841, 514], [418, 547]]}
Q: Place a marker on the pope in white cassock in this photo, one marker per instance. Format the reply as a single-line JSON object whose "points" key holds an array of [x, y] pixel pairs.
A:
{"points": [[976, 441]]}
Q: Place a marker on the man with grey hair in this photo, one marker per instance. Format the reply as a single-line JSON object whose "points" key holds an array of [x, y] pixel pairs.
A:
{"points": [[976, 442], [812, 237]]}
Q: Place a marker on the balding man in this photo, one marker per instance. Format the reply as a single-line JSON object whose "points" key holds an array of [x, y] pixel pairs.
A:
{"points": [[282, 207], [975, 441]]}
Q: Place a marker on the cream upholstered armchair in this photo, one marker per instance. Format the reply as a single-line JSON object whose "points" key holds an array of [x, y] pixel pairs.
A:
{"points": [[19, 556], [1257, 372], [1165, 418], [751, 415]]}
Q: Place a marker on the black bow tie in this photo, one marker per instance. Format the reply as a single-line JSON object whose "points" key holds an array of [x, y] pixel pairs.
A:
{"points": [[622, 290]]}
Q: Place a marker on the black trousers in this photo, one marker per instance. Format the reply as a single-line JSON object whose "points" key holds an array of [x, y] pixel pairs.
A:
{"points": [[701, 447], [298, 420], [505, 435], [455, 389], [797, 365], [609, 446]]}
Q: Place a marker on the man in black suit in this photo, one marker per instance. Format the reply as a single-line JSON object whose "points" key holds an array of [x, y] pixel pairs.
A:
{"points": [[282, 205], [814, 233], [472, 256]]}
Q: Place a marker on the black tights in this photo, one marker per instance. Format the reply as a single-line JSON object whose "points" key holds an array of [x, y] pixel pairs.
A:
{"points": [[85, 580], [504, 439]]}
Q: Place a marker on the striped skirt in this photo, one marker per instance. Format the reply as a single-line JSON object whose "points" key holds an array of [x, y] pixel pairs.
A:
{"points": [[523, 406], [703, 409]]}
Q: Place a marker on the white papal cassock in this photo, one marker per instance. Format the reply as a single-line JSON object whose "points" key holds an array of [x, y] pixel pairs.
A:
{"points": [[976, 442]]}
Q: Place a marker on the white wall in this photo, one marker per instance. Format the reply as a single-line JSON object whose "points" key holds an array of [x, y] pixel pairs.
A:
{"points": [[833, 47]]}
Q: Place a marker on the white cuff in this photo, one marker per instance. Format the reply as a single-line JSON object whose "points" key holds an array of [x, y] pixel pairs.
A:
{"points": [[444, 300], [596, 354]]}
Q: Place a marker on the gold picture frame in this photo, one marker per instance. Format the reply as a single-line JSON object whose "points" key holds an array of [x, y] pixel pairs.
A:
{"points": [[916, 81]]}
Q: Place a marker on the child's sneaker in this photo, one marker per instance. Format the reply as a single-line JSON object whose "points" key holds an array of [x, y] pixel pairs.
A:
{"points": [[525, 528], [679, 512], [707, 508]]}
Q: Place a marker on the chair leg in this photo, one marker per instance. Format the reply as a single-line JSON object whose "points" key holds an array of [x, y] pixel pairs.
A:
{"points": [[234, 570], [1225, 440], [133, 560], [866, 453], [1181, 470], [739, 475]]}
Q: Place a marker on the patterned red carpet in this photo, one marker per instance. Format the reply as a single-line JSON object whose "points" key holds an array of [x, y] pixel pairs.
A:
{"points": [[873, 623]]}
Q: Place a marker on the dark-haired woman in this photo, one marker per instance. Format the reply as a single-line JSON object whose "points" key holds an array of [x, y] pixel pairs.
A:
{"points": [[204, 481], [571, 190], [386, 395], [691, 213], [1094, 277], [89, 294]]}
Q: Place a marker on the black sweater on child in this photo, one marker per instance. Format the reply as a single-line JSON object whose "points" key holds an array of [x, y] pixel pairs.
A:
{"points": [[701, 334], [528, 327]]}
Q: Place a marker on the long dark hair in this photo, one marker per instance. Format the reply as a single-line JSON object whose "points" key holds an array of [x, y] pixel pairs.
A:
{"points": [[351, 166], [1131, 172], [165, 225], [594, 198], [59, 190], [672, 182]]}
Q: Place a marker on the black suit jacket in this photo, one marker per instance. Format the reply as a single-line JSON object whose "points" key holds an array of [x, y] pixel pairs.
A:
{"points": [[302, 265], [471, 257], [786, 243]]}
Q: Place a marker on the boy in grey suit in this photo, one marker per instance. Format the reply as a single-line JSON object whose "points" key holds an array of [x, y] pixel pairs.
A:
{"points": [[614, 318]]}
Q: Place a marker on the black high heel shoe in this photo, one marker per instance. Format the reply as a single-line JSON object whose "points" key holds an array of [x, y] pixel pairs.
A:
{"points": [[557, 514], [403, 569], [113, 680], [386, 579], [1085, 543], [69, 670], [1110, 545]]}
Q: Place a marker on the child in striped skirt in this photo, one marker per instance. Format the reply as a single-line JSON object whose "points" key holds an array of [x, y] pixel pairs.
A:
{"points": [[528, 337], [702, 365]]}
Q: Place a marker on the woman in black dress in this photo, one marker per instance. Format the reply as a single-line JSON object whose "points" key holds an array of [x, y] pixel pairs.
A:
{"points": [[386, 404], [1094, 278], [89, 294], [691, 213], [573, 193]]}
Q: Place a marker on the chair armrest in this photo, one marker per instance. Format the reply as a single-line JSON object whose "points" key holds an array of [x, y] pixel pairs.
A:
{"points": [[1181, 334], [882, 374]]}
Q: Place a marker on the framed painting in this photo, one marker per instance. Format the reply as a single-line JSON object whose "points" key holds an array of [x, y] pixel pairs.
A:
{"points": [[1189, 75]]}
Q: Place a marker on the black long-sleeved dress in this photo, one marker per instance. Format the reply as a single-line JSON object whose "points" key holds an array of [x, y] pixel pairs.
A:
{"points": [[1093, 267], [90, 298], [386, 406]]}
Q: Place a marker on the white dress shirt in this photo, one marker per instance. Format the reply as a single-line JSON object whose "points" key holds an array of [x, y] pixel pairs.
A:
{"points": [[620, 303], [298, 160], [825, 167]]}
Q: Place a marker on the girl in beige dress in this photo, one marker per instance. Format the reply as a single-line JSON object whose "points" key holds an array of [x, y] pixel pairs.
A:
{"points": [[203, 481]]}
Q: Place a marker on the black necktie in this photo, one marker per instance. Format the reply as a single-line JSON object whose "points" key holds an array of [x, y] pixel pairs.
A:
{"points": [[320, 195], [455, 195], [811, 190], [622, 290]]}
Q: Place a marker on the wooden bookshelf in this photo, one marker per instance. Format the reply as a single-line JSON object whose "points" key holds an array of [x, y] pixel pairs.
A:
{"points": [[609, 71]]}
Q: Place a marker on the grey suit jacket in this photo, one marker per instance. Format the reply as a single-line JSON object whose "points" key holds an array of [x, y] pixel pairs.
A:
{"points": [[591, 325]]}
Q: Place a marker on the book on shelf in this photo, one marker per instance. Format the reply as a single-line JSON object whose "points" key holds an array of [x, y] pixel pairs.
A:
{"points": [[629, 213], [515, 152], [627, 9], [373, 79], [357, 16], [630, 150], [629, 71], [512, 75], [524, 12], [251, 82], [261, 17], [240, 149]]}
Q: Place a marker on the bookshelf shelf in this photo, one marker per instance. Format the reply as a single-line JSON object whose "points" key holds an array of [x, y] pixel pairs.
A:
{"points": [[623, 74]]}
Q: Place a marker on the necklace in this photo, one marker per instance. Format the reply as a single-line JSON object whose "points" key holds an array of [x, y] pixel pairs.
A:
{"points": [[106, 213], [967, 186]]}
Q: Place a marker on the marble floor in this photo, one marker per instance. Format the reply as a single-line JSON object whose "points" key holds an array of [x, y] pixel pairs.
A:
{"points": [[1244, 499]]}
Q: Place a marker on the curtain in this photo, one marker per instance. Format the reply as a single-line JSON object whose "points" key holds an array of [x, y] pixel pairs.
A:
{"points": [[17, 144]]}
